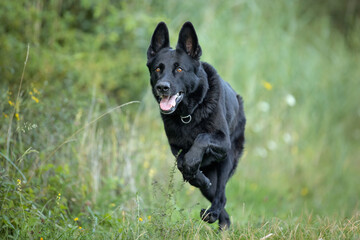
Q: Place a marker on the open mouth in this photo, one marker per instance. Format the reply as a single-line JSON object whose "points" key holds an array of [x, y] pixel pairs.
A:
{"points": [[168, 104]]}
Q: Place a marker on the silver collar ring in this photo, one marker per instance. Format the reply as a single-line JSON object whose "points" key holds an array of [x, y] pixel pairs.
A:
{"points": [[186, 119]]}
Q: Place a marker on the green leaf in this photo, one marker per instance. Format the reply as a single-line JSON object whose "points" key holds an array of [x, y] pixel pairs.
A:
{"points": [[7, 221]]}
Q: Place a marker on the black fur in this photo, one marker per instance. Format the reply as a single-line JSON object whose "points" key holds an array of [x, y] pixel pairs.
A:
{"points": [[204, 120]]}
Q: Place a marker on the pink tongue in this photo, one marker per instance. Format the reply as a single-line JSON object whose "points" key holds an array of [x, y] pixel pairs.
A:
{"points": [[167, 103]]}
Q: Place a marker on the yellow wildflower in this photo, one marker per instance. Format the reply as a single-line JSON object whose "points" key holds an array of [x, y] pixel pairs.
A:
{"points": [[190, 190], [31, 93], [5, 115], [35, 99], [41, 239], [35, 91], [146, 164], [267, 85], [76, 219], [19, 185], [152, 172], [17, 116], [140, 219], [304, 191], [58, 198], [149, 217], [80, 227], [11, 103]]}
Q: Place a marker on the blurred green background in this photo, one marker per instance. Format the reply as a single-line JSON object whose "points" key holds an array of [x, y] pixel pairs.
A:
{"points": [[296, 64]]}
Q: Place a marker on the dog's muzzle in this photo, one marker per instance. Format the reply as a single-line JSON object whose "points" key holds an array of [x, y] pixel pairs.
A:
{"points": [[168, 103]]}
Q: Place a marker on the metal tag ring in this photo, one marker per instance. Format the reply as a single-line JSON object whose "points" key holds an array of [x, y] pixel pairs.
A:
{"points": [[183, 119]]}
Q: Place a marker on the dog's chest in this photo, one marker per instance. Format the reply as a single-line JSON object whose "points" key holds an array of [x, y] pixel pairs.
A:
{"points": [[182, 136]]}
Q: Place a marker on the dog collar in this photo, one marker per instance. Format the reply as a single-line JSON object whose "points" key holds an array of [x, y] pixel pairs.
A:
{"points": [[186, 119]]}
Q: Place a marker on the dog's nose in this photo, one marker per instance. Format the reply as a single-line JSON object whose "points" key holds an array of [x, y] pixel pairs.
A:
{"points": [[163, 87]]}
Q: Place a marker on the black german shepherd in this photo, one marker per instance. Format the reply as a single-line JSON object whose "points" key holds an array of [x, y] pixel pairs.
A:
{"points": [[203, 116]]}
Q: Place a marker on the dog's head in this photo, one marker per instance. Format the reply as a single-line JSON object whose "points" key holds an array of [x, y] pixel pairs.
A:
{"points": [[173, 72]]}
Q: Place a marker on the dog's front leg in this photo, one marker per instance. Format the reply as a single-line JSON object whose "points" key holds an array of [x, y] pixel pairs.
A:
{"points": [[198, 179], [205, 142], [193, 158]]}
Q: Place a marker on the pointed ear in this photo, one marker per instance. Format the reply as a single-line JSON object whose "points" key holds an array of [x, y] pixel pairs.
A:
{"points": [[188, 41], [159, 40]]}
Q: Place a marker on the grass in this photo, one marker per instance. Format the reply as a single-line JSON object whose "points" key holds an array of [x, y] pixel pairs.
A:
{"points": [[79, 165]]}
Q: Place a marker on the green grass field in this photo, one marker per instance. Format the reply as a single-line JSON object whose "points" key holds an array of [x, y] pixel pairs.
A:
{"points": [[82, 147]]}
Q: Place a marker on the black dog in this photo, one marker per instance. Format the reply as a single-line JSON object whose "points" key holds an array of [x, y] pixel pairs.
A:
{"points": [[203, 116]]}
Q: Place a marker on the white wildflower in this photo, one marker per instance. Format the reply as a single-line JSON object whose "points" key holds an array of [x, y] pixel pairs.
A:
{"points": [[290, 100], [287, 137], [264, 106]]}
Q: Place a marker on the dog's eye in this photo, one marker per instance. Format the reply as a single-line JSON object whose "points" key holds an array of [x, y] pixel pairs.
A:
{"points": [[157, 70], [179, 69]]}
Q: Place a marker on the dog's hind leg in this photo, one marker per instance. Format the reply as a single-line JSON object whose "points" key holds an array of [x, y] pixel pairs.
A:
{"points": [[208, 216], [216, 194]]}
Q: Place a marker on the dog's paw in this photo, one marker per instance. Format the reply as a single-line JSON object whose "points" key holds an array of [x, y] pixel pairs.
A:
{"points": [[205, 183], [224, 226], [209, 215], [224, 222], [188, 177], [190, 173], [199, 180]]}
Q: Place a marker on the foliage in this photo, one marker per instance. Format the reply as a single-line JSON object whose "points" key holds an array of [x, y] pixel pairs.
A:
{"points": [[73, 166], [77, 44]]}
